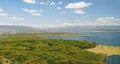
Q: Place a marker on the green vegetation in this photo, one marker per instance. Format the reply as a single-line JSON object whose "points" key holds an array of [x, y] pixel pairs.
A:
{"points": [[33, 50], [38, 34]]}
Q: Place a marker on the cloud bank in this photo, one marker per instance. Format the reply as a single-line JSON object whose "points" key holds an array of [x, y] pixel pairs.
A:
{"points": [[16, 18], [114, 21], [2, 13], [30, 1], [78, 6]]}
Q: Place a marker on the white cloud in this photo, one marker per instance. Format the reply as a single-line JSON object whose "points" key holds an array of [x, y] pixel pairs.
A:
{"points": [[107, 19], [60, 2], [79, 12], [114, 21], [76, 22], [1, 10], [59, 8], [30, 1], [33, 12], [78, 5], [97, 22], [36, 14], [52, 3], [3, 14], [43, 3], [16, 18]]}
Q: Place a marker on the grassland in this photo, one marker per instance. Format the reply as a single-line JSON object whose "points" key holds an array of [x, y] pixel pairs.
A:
{"points": [[108, 50]]}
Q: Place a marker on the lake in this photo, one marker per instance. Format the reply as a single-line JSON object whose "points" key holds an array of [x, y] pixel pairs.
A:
{"points": [[112, 59], [104, 38]]}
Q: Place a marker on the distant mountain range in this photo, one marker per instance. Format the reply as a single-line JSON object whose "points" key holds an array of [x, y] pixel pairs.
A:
{"points": [[15, 29], [86, 28], [93, 28]]}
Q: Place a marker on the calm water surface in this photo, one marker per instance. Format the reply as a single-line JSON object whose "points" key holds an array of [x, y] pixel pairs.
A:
{"points": [[105, 38], [113, 59]]}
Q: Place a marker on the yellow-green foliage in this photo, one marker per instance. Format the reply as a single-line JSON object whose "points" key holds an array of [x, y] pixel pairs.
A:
{"points": [[33, 50], [108, 50]]}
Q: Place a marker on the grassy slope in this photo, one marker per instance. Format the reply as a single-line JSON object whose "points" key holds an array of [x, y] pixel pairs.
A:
{"points": [[108, 50], [31, 50]]}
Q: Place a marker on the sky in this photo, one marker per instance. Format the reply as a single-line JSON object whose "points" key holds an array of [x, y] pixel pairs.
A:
{"points": [[59, 13]]}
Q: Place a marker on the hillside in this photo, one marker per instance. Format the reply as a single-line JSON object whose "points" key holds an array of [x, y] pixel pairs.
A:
{"points": [[14, 29], [85, 28], [33, 50]]}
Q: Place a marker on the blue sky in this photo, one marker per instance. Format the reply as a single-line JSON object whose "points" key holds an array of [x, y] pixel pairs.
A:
{"points": [[59, 13]]}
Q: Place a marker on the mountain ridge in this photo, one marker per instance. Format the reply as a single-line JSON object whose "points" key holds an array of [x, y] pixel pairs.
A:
{"points": [[15, 29]]}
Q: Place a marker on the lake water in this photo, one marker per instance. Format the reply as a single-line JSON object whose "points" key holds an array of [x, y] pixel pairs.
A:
{"points": [[113, 59], [104, 38]]}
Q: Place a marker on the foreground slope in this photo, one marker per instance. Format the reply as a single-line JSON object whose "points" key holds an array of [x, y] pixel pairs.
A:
{"points": [[33, 50]]}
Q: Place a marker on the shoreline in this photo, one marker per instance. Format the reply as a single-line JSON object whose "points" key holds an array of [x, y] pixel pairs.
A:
{"points": [[105, 49]]}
